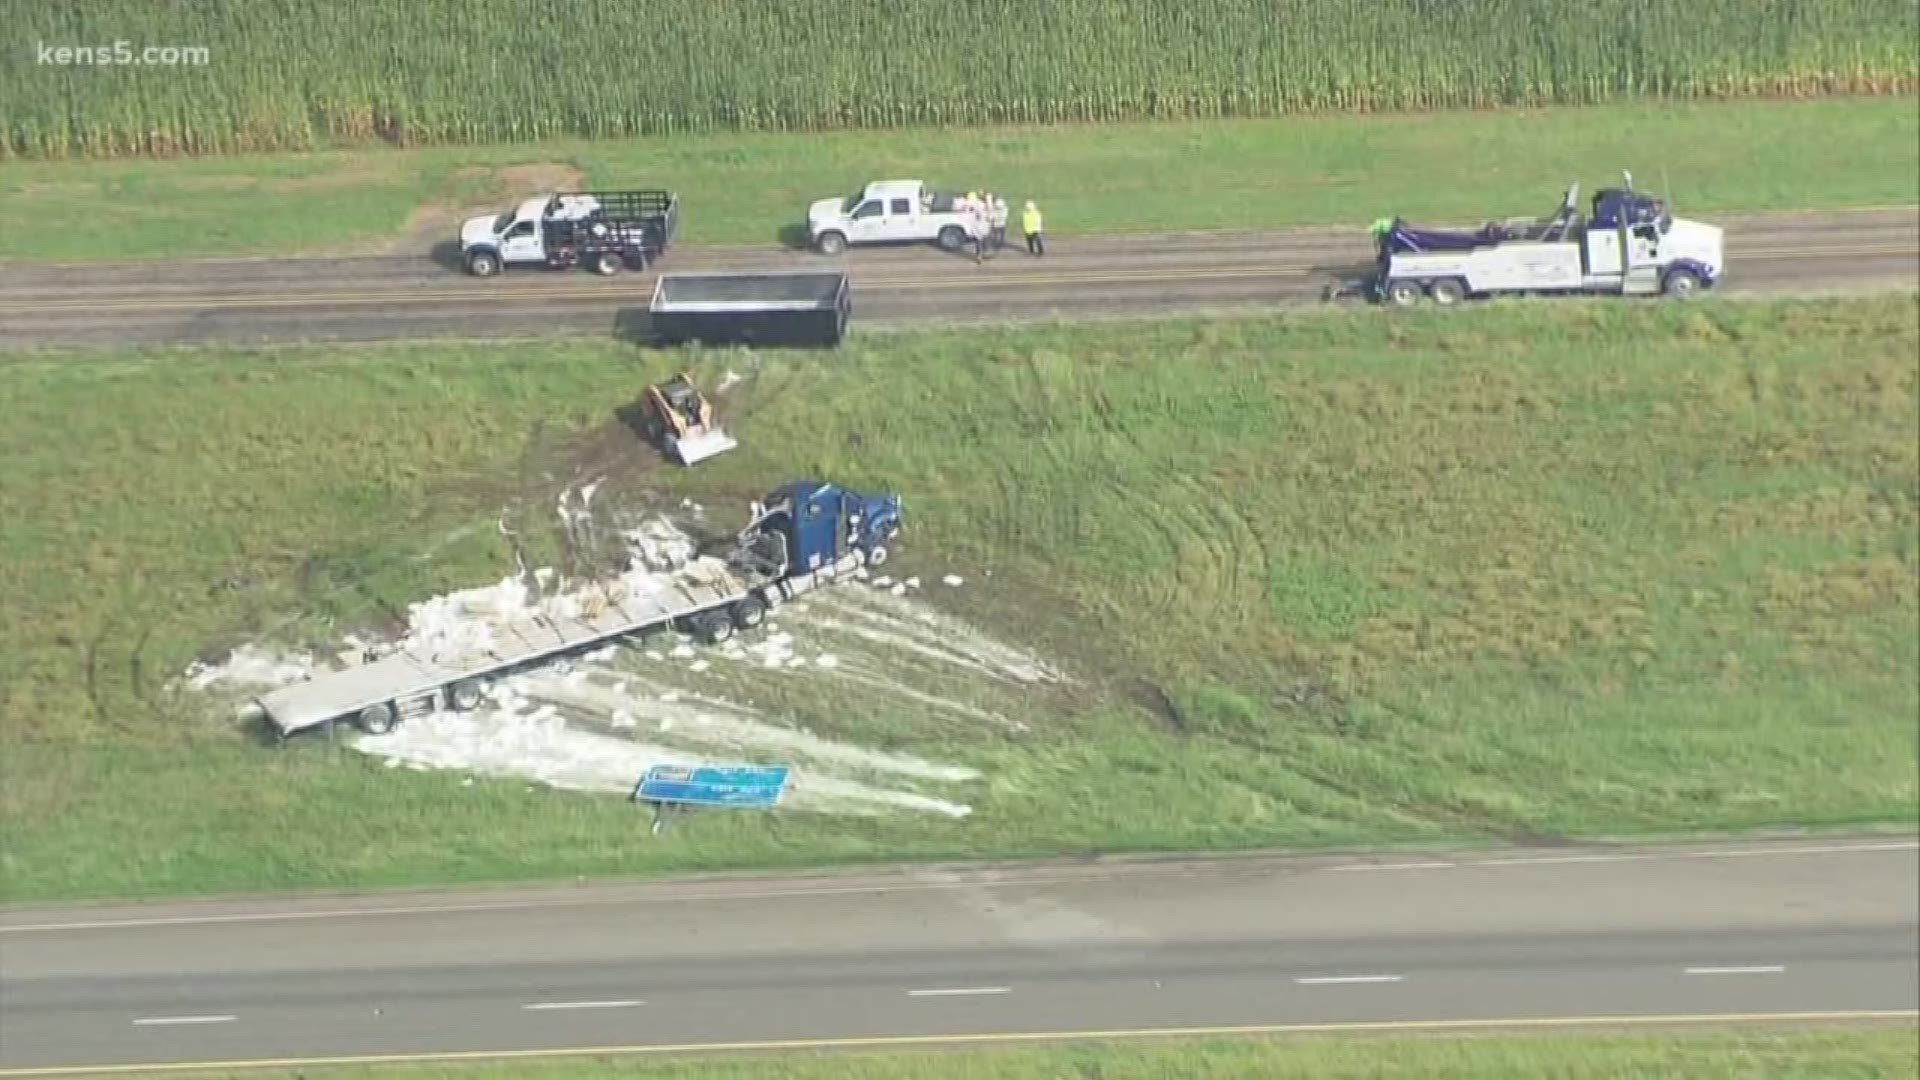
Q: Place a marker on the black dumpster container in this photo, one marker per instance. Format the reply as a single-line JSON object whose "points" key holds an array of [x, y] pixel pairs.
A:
{"points": [[777, 309]]}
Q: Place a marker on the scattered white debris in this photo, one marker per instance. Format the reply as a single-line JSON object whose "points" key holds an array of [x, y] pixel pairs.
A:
{"points": [[698, 666], [827, 660], [658, 545], [954, 580], [586, 493], [545, 749], [682, 652], [913, 583], [727, 381], [670, 696], [656, 656], [468, 782], [623, 719], [899, 590], [796, 662], [913, 628], [601, 655], [252, 667], [881, 582]]}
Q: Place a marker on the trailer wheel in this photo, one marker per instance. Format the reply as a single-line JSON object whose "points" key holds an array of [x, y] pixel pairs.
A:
{"points": [[464, 695], [877, 555], [952, 238], [483, 264], [714, 628], [377, 719], [749, 613], [1680, 284], [1447, 292], [1403, 293], [831, 243], [607, 264]]}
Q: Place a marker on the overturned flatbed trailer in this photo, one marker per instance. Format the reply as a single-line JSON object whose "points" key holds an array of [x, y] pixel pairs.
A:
{"points": [[417, 681], [806, 309]]}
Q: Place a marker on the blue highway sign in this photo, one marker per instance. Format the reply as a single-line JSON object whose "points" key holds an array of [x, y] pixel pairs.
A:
{"points": [[710, 785]]}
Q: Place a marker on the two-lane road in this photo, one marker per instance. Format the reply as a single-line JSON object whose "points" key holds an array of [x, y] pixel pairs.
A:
{"points": [[378, 299], [1660, 934]]}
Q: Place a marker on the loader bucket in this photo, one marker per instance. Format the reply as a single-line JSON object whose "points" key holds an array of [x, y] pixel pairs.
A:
{"points": [[693, 449]]}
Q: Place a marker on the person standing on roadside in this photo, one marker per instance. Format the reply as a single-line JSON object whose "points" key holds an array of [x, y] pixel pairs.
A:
{"points": [[977, 229], [997, 223], [1030, 224]]}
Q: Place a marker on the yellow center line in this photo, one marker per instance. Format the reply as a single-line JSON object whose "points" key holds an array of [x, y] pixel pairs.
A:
{"points": [[959, 280], [981, 1038]]}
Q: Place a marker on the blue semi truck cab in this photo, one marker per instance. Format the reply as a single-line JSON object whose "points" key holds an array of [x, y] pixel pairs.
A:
{"points": [[821, 527]]}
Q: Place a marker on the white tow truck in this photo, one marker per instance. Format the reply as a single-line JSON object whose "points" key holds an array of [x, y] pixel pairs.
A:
{"points": [[889, 212], [1631, 244]]}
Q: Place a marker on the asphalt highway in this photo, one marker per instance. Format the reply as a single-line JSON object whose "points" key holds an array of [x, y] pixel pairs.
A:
{"points": [[252, 301], [1804, 930]]}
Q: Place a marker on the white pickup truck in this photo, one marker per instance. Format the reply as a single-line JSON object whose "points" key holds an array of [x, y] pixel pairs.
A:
{"points": [[605, 230], [888, 212]]}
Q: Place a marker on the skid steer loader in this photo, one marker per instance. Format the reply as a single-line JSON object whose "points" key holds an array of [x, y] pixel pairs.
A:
{"points": [[679, 420]]}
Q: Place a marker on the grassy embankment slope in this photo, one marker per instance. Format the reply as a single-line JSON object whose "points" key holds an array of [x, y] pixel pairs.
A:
{"points": [[1536, 570], [748, 188], [1722, 1055]]}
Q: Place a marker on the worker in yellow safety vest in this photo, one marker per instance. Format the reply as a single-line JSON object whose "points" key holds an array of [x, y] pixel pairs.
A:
{"points": [[1030, 224]]}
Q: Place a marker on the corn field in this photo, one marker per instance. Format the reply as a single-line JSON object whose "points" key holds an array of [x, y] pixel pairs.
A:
{"points": [[282, 74]]}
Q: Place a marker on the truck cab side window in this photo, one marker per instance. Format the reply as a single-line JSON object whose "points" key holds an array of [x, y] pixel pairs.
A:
{"points": [[903, 206], [520, 228], [867, 210]]}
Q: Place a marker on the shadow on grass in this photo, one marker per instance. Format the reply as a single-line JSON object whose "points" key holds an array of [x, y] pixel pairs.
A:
{"points": [[634, 325], [446, 255], [793, 236]]}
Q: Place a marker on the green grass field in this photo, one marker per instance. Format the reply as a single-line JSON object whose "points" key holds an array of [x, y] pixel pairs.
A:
{"points": [[1325, 578], [1842, 1054], [289, 74], [746, 188]]}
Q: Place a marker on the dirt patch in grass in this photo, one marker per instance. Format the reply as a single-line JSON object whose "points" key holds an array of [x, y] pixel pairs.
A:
{"points": [[435, 223]]}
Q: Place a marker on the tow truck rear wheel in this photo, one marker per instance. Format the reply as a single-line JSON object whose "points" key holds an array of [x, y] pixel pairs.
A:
{"points": [[714, 628], [749, 613], [831, 243], [952, 238], [1447, 292], [483, 264], [877, 555], [1403, 293], [1680, 284], [607, 264], [377, 719]]}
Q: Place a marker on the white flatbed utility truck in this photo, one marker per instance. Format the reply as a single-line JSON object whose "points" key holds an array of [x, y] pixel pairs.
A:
{"points": [[1630, 245], [603, 230], [888, 212], [806, 534]]}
